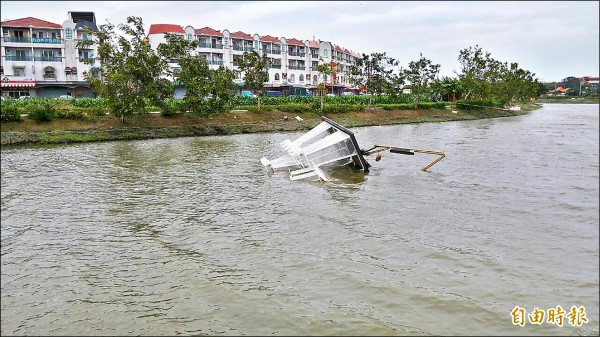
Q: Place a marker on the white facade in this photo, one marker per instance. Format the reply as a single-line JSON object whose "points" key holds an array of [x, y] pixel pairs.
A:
{"points": [[43, 59], [293, 62]]}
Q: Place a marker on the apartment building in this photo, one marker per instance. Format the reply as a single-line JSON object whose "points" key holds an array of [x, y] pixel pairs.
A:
{"points": [[293, 62], [44, 59]]}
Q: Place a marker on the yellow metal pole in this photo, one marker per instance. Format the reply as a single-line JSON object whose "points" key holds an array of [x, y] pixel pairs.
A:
{"points": [[424, 169]]}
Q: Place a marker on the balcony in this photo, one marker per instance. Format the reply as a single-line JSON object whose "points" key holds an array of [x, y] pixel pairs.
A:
{"points": [[47, 40], [296, 67], [275, 66], [216, 62], [315, 56], [239, 48], [17, 39], [275, 52], [296, 53], [18, 58], [50, 75], [248, 48], [49, 58], [211, 45], [83, 58]]}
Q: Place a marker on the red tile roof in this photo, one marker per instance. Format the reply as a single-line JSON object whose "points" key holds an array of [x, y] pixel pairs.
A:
{"points": [[346, 51], [313, 44], [269, 38], [26, 22], [241, 36], [338, 48], [295, 42], [161, 28], [208, 31]]}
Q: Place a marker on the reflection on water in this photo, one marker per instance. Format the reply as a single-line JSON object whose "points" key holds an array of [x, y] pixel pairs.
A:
{"points": [[192, 236]]}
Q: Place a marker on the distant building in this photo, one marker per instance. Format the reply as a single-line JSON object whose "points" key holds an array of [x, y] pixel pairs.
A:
{"points": [[293, 68], [590, 81], [43, 59]]}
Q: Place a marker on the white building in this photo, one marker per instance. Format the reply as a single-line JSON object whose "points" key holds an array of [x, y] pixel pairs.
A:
{"points": [[294, 62], [43, 59]]}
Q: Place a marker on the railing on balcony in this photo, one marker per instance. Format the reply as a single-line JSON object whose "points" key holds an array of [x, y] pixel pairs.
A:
{"points": [[296, 53], [49, 58], [275, 66], [240, 48], [83, 58], [275, 51], [49, 75], [248, 48], [216, 62], [17, 39], [297, 67], [18, 58], [47, 40]]}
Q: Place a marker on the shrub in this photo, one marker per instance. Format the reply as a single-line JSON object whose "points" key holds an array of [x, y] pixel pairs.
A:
{"points": [[295, 108], [42, 112], [341, 108], [10, 113]]}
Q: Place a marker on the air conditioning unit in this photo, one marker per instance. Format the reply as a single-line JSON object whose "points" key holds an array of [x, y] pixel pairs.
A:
{"points": [[8, 51]]}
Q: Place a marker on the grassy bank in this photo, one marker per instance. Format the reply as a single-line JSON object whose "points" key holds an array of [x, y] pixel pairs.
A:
{"points": [[147, 126], [569, 100]]}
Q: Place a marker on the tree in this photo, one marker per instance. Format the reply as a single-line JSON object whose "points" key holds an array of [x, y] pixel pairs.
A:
{"points": [[323, 69], [477, 68], [420, 74], [256, 72], [448, 88], [131, 69], [514, 84], [207, 91], [375, 73]]}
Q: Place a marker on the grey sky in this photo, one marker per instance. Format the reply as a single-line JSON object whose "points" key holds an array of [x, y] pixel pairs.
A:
{"points": [[550, 38]]}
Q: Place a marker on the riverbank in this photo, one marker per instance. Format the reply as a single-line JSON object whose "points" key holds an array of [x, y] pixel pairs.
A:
{"points": [[567, 100], [151, 126]]}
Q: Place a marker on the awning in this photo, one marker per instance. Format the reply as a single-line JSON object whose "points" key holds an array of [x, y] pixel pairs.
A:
{"points": [[15, 84], [298, 85]]}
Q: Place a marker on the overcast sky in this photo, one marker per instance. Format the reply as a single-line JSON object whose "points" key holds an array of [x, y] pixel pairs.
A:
{"points": [[550, 38]]}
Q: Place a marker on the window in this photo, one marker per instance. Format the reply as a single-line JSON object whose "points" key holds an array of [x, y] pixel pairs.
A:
{"points": [[48, 53], [301, 79], [20, 55], [292, 78], [41, 35], [325, 53], [315, 80], [190, 37], [226, 42], [68, 33], [19, 71], [49, 72], [276, 76]]}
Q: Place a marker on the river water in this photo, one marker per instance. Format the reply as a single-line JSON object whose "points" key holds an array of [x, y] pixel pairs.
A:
{"points": [[191, 236]]}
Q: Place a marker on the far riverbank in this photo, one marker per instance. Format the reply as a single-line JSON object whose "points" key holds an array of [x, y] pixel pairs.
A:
{"points": [[150, 126]]}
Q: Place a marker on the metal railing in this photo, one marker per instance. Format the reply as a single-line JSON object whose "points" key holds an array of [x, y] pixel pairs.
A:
{"points": [[18, 58], [17, 39], [296, 53], [46, 40], [297, 67], [275, 66], [49, 58], [216, 62]]}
